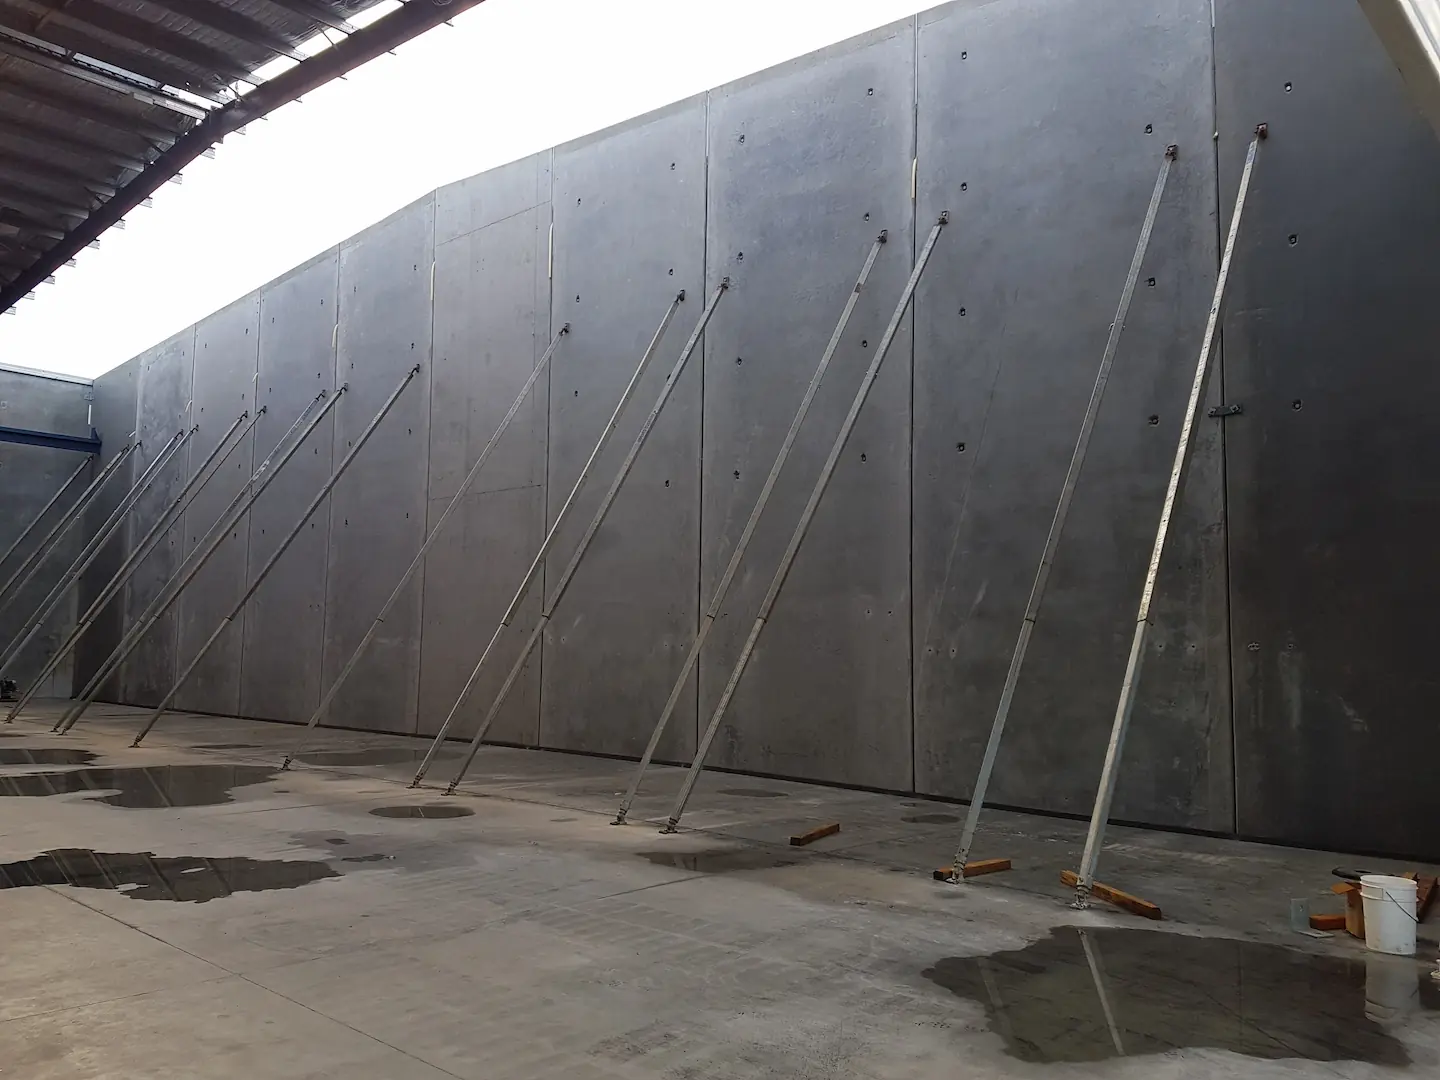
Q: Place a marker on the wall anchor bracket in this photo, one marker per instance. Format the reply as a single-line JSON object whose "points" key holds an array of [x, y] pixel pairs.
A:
{"points": [[1220, 412]]}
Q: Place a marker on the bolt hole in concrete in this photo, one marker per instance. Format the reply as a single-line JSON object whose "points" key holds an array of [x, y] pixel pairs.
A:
{"points": [[431, 810], [142, 875], [143, 787], [1088, 995]]}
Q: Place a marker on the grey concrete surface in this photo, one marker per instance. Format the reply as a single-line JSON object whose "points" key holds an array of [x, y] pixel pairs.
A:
{"points": [[630, 211], [492, 325], [113, 415], [29, 477], [1008, 380], [285, 621], [227, 350], [532, 939], [827, 694], [1326, 345], [1039, 125], [164, 397], [377, 511]]}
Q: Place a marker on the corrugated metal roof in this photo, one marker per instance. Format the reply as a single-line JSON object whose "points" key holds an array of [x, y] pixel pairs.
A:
{"points": [[93, 93]]}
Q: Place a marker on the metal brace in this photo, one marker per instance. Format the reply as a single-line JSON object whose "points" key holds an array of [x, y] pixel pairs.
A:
{"points": [[1219, 412]]}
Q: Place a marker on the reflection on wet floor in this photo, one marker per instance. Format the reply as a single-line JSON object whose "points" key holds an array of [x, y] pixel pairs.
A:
{"points": [[429, 810], [44, 755], [1091, 994], [141, 875], [753, 793], [377, 755], [143, 787], [720, 861]]}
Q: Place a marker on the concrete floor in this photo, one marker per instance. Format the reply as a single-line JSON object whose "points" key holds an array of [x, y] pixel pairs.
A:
{"points": [[201, 915]]}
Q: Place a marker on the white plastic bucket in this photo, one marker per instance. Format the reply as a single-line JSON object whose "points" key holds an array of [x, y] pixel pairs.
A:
{"points": [[1389, 914]]}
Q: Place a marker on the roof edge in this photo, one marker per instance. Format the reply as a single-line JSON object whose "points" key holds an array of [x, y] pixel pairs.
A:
{"points": [[410, 20]]}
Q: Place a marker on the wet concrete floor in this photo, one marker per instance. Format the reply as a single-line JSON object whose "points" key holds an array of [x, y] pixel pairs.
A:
{"points": [[331, 924], [142, 787], [1088, 994], [47, 755], [143, 875], [428, 810]]}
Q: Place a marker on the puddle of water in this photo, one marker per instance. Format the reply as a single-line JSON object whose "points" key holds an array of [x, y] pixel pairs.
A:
{"points": [[432, 810], [46, 755], [229, 746], [1093, 994], [754, 793], [141, 875], [720, 861], [144, 787], [337, 841], [930, 819], [381, 755]]}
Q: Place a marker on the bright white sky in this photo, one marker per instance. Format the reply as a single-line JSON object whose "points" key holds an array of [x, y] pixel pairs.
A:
{"points": [[509, 78]]}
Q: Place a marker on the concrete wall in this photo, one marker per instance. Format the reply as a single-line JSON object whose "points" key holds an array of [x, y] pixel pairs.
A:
{"points": [[29, 476], [1284, 696], [114, 416]]}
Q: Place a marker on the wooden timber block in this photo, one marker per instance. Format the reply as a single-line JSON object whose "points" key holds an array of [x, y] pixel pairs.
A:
{"points": [[1425, 890], [1328, 922], [815, 834], [1354, 908], [973, 869], [1132, 904], [1425, 900]]}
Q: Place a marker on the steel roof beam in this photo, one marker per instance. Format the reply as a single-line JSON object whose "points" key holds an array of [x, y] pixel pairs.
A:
{"points": [[54, 440], [384, 34], [21, 246], [37, 221], [87, 110], [11, 188], [71, 144], [232, 24], [318, 13], [87, 16], [38, 210], [106, 51], [48, 172], [64, 62], [12, 238]]}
